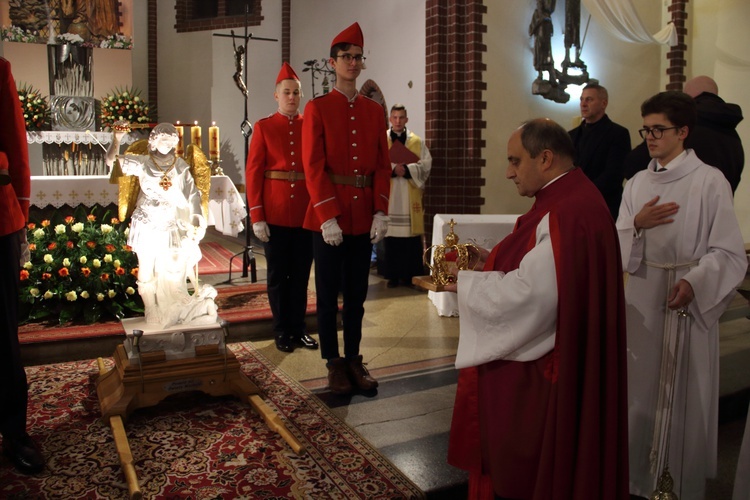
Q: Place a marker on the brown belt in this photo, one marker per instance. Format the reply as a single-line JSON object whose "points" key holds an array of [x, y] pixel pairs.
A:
{"points": [[359, 181], [290, 176]]}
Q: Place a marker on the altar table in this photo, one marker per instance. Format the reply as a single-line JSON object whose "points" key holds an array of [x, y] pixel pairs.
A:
{"points": [[226, 206], [485, 231]]}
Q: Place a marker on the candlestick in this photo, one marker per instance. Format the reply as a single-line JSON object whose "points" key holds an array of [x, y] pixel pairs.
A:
{"points": [[180, 149], [195, 135], [213, 141]]}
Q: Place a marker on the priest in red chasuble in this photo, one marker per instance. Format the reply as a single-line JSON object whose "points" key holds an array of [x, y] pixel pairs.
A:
{"points": [[541, 404]]}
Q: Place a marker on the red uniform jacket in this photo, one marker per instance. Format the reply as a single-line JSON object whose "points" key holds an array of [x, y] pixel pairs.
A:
{"points": [[14, 156], [276, 144], [345, 138], [556, 427]]}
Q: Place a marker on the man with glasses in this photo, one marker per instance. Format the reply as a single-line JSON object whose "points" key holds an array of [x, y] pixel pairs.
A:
{"points": [[682, 246], [348, 173], [601, 145]]}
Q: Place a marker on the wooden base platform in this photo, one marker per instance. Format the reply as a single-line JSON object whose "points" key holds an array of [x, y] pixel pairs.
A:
{"points": [[129, 386]]}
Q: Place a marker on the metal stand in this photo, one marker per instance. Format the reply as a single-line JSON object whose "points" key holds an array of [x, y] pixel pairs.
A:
{"points": [[247, 129]]}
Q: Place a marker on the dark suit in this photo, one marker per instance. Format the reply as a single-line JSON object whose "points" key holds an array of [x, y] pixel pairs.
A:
{"points": [[601, 148], [714, 139]]}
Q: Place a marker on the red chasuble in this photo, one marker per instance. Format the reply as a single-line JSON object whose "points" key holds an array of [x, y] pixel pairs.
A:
{"points": [[555, 428]]}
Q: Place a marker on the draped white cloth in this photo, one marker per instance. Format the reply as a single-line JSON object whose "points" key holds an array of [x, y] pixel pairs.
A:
{"points": [[620, 18]]}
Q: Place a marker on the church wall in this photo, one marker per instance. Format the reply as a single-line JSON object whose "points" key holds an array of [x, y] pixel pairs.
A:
{"points": [[630, 72]]}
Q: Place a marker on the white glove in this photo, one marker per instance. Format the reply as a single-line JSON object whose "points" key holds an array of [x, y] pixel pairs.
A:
{"points": [[379, 227], [332, 233], [261, 230]]}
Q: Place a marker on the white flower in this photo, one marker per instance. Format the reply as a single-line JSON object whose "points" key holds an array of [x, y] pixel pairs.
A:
{"points": [[71, 296], [83, 259], [28, 266], [117, 264], [77, 227], [48, 294], [39, 234], [99, 297], [111, 294], [48, 259], [96, 263], [85, 294], [66, 262], [60, 229], [130, 290], [34, 292], [106, 228], [108, 258]]}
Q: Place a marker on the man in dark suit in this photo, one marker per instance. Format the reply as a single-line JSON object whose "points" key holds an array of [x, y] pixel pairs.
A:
{"points": [[714, 139], [601, 146]]}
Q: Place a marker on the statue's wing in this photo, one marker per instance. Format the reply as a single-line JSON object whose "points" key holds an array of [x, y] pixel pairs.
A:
{"points": [[370, 89], [201, 170], [130, 188]]}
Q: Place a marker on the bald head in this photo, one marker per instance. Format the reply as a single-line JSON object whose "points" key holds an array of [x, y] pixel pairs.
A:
{"points": [[696, 86]]}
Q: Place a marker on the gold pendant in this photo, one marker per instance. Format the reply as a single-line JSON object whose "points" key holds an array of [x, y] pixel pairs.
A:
{"points": [[165, 183]]}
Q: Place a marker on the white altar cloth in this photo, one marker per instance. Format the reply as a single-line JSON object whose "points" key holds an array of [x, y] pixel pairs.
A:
{"points": [[485, 231], [226, 206]]}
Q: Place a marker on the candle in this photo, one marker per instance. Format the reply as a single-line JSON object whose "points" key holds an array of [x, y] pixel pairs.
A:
{"points": [[213, 142], [180, 149], [195, 135]]}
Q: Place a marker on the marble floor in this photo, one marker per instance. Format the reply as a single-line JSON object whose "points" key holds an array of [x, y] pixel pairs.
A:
{"points": [[409, 348]]}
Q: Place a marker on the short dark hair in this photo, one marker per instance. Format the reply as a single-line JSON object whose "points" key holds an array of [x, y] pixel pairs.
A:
{"points": [[398, 107], [677, 106], [542, 133], [600, 89], [339, 46]]}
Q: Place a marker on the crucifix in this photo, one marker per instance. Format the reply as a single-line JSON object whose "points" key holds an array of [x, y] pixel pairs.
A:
{"points": [[240, 79]]}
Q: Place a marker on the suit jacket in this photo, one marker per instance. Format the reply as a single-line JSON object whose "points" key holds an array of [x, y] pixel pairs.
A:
{"points": [[345, 138], [14, 156], [601, 148], [276, 144]]}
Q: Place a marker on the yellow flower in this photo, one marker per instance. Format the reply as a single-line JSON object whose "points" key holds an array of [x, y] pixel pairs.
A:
{"points": [[48, 259]]}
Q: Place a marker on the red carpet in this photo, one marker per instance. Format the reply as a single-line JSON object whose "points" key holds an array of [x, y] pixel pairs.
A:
{"points": [[195, 446], [216, 260], [237, 304]]}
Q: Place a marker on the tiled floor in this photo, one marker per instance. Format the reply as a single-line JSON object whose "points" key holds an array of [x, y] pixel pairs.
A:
{"points": [[409, 349]]}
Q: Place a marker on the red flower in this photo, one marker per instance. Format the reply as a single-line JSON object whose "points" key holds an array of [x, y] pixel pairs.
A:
{"points": [[120, 271], [70, 219], [31, 225], [63, 272], [69, 244], [91, 218], [46, 276], [127, 248], [104, 277], [32, 247], [52, 246], [134, 272], [24, 274], [114, 220], [91, 244], [110, 247], [85, 271], [45, 223]]}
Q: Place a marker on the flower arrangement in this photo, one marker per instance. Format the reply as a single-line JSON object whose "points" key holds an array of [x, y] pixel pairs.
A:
{"points": [[125, 104], [18, 34], [79, 268], [71, 38], [35, 107], [117, 41]]}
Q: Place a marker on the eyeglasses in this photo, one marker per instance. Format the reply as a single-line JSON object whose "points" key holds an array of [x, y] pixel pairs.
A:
{"points": [[656, 132], [348, 58]]}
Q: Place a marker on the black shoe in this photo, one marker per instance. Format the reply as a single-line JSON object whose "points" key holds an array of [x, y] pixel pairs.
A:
{"points": [[306, 341], [284, 343], [392, 283], [24, 453]]}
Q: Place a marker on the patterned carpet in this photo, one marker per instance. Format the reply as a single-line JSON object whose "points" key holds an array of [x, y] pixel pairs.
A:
{"points": [[194, 446]]}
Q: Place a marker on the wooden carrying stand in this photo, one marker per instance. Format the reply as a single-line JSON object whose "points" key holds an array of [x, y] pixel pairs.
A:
{"points": [[131, 385]]}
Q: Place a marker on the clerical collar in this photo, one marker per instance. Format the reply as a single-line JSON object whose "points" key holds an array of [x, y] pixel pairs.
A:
{"points": [[658, 167], [557, 178], [395, 136]]}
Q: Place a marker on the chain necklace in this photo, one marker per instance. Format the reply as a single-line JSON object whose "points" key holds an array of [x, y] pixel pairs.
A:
{"points": [[165, 183]]}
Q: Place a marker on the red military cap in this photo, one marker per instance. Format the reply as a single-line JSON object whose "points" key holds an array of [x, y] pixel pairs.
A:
{"points": [[352, 35], [286, 73]]}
